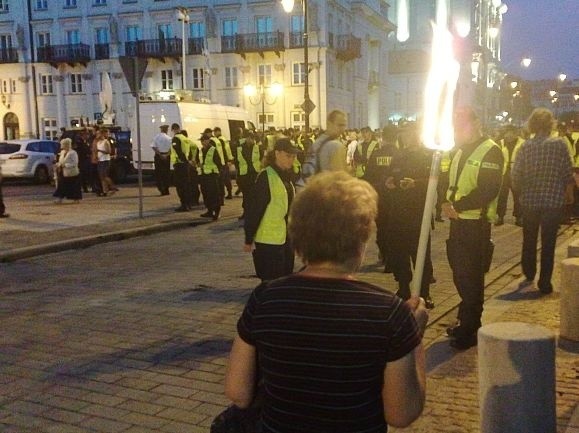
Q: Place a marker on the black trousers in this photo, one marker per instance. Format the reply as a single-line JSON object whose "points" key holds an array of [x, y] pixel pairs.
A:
{"points": [[163, 173], [94, 178], [211, 190], [195, 193], [2, 207], [183, 183], [546, 219], [504, 197], [273, 261], [402, 257], [466, 249]]}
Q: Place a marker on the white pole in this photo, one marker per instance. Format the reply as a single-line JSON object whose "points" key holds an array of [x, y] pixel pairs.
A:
{"points": [[426, 224]]}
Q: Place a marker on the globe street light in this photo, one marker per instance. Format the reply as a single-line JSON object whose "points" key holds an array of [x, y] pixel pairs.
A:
{"points": [[251, 91], [307, 106], [183, 17]]}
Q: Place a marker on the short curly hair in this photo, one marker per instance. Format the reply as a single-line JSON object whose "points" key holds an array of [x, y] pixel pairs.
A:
{"points": [[332, 219], [541, 121]]}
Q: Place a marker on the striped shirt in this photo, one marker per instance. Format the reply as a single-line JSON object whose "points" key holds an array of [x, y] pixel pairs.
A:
{"points": [[322, 347], [541, 172]]}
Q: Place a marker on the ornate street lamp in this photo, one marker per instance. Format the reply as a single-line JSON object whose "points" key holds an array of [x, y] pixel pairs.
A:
{"points": [[308, 106], [251, 91]]}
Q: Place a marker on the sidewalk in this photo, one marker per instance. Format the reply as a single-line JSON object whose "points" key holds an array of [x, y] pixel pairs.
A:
{"points": [[127, 394]]}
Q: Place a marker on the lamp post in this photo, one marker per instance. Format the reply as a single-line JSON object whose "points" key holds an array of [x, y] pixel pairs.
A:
{"points": [[307, 106], [250, 91], [183, 17]]}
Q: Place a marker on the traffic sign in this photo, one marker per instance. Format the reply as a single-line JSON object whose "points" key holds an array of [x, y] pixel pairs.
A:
{"points": [[129, 65], [308, 106]]}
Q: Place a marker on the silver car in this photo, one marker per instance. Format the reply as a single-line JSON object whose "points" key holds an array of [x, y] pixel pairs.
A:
{"points": [[32, 159]]}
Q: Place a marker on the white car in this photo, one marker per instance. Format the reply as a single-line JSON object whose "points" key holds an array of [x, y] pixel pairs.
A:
{"points": [[32, 159]]}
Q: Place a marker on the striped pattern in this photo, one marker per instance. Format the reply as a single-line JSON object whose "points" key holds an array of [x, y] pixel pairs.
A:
{"points": [[323, 345]]}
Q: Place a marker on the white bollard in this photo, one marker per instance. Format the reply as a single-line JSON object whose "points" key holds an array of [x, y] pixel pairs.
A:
{"points": [[569, 303], [573, 249], [517, 378]]}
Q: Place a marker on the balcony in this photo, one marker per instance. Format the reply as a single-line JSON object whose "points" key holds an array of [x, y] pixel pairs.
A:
{"points": [[196, 45], [8, 55], [348, 47], [101, 51], [69, 53], [253, 43], [154, 48], [296, 40]]}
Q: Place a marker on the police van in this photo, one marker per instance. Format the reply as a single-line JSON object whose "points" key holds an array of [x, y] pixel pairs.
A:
{"points": [[194, 117]]}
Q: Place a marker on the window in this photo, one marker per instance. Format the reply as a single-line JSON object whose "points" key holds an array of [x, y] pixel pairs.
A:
{"points": [[50, 128], [5, 42], [263, 25], [298, 74], [46, 85], [43, 39], [4, 6], [264, 75], [167, 79], [13, 82], [75, 83], [231, 76], [297, 24], [298, 119], [72, 36], [4, 86], [267, 118], [101, 35], [229, 27], [133, 33], [41, 5], [197, 29], [69, 3], [165, 31], [99, 2], [198, 79]]}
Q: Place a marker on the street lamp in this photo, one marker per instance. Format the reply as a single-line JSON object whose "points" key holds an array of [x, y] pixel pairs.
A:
{"points": [[307, 106], [251, 91], [183, 17]]}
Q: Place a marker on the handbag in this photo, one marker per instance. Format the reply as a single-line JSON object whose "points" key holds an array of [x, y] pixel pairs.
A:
{"points": [[236, 420]]}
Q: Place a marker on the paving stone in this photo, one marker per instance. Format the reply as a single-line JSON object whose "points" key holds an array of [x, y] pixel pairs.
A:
{"points": [[105, 425]]}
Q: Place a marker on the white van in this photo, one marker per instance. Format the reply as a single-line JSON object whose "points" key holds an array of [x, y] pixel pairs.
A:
{"points": [[194, 117]]}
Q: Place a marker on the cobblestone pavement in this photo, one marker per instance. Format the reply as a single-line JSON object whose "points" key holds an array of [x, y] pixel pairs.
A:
{"points": [[132, 336]]}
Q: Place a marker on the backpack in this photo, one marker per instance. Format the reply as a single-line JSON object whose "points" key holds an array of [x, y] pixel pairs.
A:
{"points": [[311, 164]]}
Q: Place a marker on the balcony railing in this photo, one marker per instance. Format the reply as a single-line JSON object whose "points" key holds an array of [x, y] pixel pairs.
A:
{"points": [[296, 40], [101, 51], [196, 45], [8, 55], [348, 47], [154, 48], [253, 43], [69, 53]]}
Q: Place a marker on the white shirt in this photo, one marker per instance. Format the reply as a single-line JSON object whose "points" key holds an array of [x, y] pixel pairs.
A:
{"points": [[104, 150], [351, 150], [162, 142]]}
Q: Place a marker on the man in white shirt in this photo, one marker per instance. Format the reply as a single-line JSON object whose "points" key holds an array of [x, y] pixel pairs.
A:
{"points": [[162, 146]]}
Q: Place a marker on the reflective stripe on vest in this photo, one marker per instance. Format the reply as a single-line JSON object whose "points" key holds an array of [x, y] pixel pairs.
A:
{"points": [[209, 165], [272, 228], [186, 144], [467, 181], [219, 147], [255, 161], [445, 162], [361, 168]]}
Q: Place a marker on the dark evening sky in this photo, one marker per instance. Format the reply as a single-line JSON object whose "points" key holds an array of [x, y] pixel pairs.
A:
{"points": [[545, 30]]}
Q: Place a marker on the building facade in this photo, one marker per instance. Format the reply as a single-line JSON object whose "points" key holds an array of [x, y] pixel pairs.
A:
{"points": [[60, 59]]}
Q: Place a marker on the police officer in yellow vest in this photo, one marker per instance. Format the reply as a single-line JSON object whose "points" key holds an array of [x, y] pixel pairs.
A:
{"points": [[364, 151], [475, 181], [181, 162], [510, 146], [226, 158], [267, 213], [248, 161], [210, 163]]}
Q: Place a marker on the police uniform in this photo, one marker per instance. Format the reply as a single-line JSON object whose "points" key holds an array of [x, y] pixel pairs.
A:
{"points": [[180, 154], [248, 162], [510, 151], [475, 179], [362, 155], [210, 165]]}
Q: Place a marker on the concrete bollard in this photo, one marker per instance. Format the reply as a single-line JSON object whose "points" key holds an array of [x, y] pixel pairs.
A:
{"points": [[573, 249], [569, 303], [516, 378]]}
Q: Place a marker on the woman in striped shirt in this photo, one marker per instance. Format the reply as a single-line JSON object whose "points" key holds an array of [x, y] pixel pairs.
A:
{"points": [[332, 353]]}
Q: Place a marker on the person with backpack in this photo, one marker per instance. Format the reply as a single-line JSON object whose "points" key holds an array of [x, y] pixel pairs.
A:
{"points": [[327, 153]]}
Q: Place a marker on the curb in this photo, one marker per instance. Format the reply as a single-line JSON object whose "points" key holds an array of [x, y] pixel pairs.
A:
{"points": [[91, 240]]}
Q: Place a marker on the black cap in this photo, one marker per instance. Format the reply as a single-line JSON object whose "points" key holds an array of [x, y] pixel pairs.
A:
{"points": [[208, 131], [285, 145]]}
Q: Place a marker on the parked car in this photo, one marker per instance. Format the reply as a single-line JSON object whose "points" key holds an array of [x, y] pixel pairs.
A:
{"points": [[32, 159]]}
